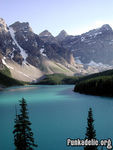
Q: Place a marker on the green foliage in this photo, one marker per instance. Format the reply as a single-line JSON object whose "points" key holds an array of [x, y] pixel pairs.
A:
{"points": [[8, 81], [6, 71], [90, 131], [58, 79], [70, 80], [100, 74], [23, 135], [97, 84]]}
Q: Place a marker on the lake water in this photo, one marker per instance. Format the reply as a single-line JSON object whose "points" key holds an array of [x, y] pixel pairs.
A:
{"points": [[56, 113]]}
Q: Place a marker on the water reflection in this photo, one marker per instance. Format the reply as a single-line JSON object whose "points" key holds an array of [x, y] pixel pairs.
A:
{"points": [[22, 88]]}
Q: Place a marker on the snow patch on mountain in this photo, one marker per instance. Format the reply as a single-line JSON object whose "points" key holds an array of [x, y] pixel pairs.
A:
{"points": [[94, 64], [12, 53], [100, 66], [35, 44], [93, 33], [4, 62], [26, 39], [78, 61], [82, 39], [42, 52], [22, 51]]}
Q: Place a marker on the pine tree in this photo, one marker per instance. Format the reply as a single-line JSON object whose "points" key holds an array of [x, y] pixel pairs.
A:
{"points": [[23, 135], [90, 131]]}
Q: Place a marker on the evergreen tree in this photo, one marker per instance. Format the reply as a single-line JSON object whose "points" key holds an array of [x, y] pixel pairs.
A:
{"points": [[23, 135], [90, 131]]}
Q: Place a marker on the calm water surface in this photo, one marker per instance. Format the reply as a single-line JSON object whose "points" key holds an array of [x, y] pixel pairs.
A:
{"points": [[56, 113]]}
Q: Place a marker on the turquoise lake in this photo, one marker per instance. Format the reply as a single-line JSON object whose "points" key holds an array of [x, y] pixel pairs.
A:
{"points": [[56, 113]]}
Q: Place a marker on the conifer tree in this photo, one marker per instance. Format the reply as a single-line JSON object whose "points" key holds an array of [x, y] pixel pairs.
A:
{"points": [[90, 131], [23, 135]]}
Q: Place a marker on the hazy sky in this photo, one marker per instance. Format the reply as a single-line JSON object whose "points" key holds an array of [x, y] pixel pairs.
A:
{"points": [[74, 16]]}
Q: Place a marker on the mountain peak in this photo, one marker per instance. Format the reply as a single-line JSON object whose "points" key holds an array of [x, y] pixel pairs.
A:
{"points": [[3, 26], [45, 33], [62, 35], [2, 21], [63, 32], [24, 26], [98, 31], [106, 27]]}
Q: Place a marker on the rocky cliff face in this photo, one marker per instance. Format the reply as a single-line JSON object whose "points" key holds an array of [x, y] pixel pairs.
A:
{"points": [[95, 45], [8, 47], [61, 36], [3, 26], [27, 41], [19, 44], [47, 37], [32, 47], [43, 54]]}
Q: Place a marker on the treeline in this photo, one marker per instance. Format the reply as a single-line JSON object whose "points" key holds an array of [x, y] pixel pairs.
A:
{"points": [[55, 79], [95, 75], [6, 80], [97, 84]]}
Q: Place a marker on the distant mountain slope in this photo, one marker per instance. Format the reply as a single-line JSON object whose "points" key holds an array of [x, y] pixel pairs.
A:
{"points": [[95, 45], [19, 43], [46, 36], [30, 56], [61, 36], [96, 84], [23, 50]]}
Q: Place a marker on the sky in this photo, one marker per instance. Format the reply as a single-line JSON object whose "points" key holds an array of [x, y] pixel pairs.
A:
{"points": [[73, 16]]}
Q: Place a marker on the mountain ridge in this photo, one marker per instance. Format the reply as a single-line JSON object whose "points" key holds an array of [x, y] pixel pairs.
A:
{"points": [[22, 48]]}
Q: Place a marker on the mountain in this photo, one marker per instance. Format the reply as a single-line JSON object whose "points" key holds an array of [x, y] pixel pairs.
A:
{"points": [[88, 48], [29, 57], [93, 46], [45, 33], [33, 49], [46, 36], [61, 36]]}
